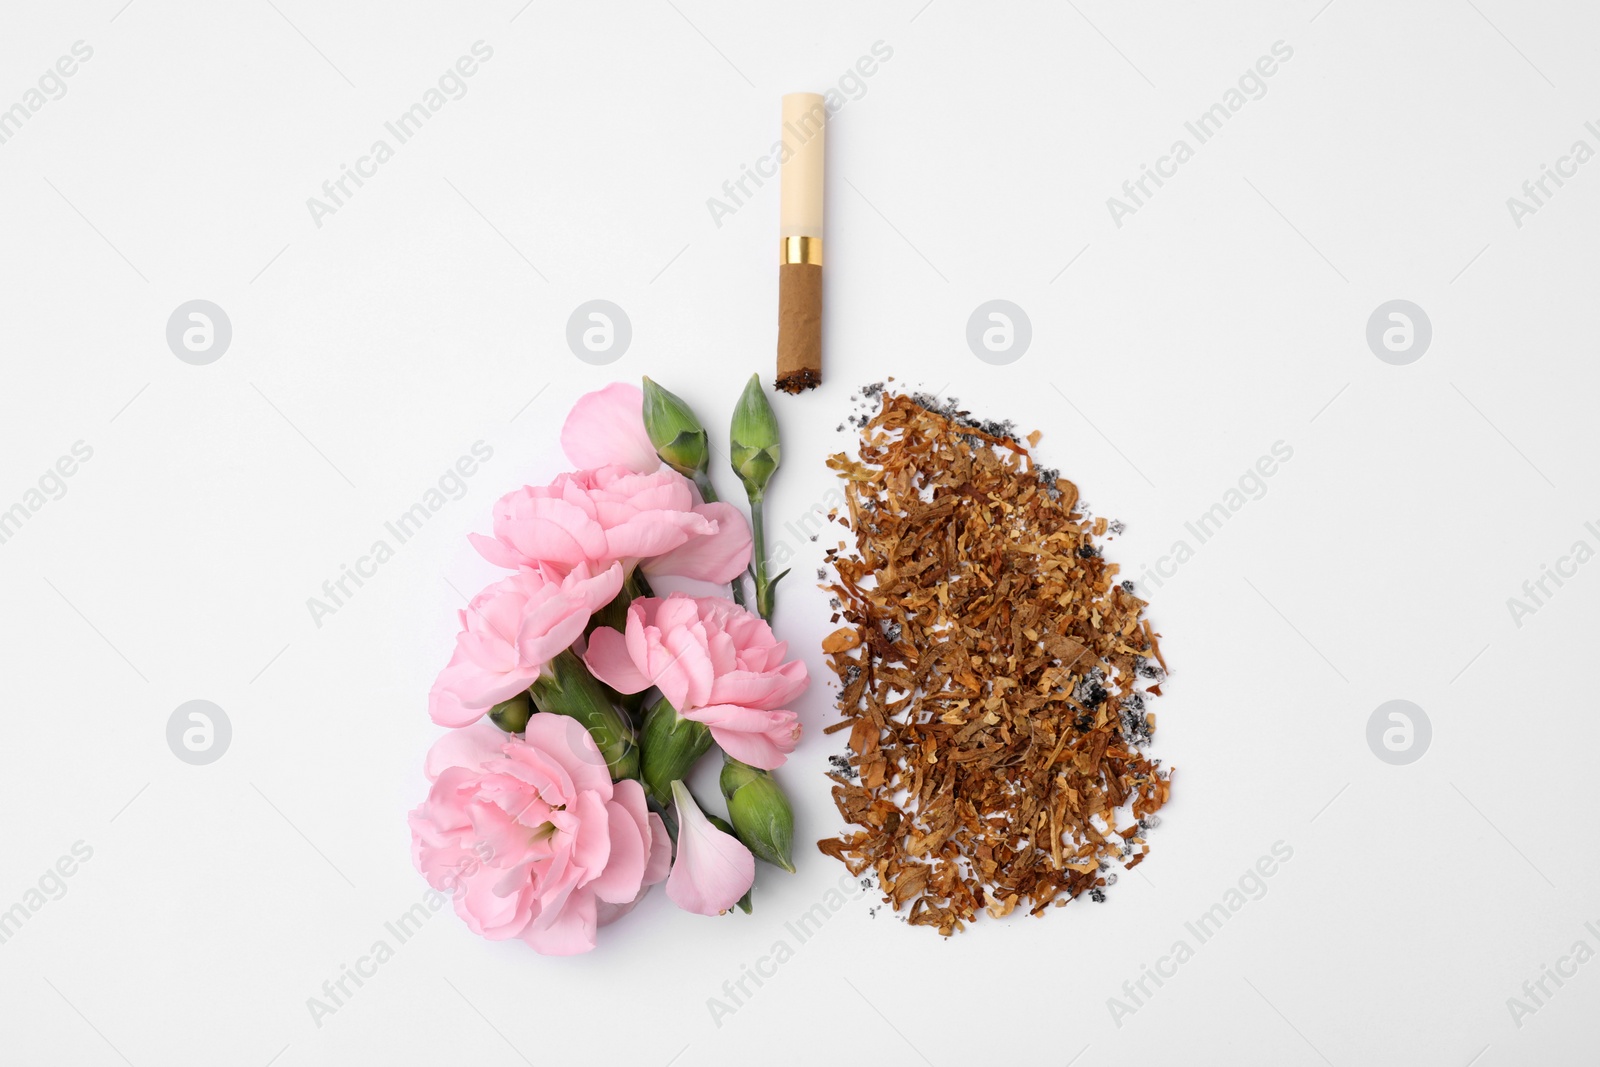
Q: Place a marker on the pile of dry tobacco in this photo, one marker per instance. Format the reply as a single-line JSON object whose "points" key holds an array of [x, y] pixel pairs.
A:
{"points": [[993, 672]]}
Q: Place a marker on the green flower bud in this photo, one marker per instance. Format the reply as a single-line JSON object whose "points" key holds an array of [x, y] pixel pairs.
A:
{"points": [[565, 687], [512, 715], [677, 435], [753, 439], [761, 815], [671, 745]]}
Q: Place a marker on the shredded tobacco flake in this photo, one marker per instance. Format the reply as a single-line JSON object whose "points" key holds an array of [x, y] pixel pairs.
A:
{"points": [[994, 676]]}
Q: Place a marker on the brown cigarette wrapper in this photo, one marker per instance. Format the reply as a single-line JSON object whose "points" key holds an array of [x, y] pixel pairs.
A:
{"points": [[799, 326]]}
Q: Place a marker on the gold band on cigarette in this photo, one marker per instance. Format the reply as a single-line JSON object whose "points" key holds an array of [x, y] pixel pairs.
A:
{"points": [[800, 250]]}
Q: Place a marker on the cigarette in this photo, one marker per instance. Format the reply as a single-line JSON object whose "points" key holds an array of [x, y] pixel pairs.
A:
{"points": [[805, 121]]}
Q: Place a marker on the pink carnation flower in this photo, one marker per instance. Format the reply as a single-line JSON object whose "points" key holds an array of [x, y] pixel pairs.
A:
{"points": [[510, 631], [715, 663], [612, 514], [531, 836]]}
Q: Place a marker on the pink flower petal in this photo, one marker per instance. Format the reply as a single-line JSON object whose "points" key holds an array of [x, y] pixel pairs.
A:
{"points": [[562, 738], [561, 542], [758, 750], [567, 932], [607, 913], [651, 534], [446, 709], [484, 691], [755, 736], [660, 861], [591, 839], [683, 667], [607, 427], [769, 689], [665, 490], [596, 590], [713, 870], [495, 552], [490, 914], [623, 875], [471, 746], [638, 628], [717, 557], [608, 660], [445, 705]]}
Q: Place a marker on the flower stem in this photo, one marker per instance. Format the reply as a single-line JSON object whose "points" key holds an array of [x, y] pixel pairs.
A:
{"points": [[566, 687], [669, 818], [702, 481], [758, 529]]}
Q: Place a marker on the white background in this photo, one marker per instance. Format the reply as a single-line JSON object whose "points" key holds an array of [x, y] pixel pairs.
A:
{"points": [[369, 353]]}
